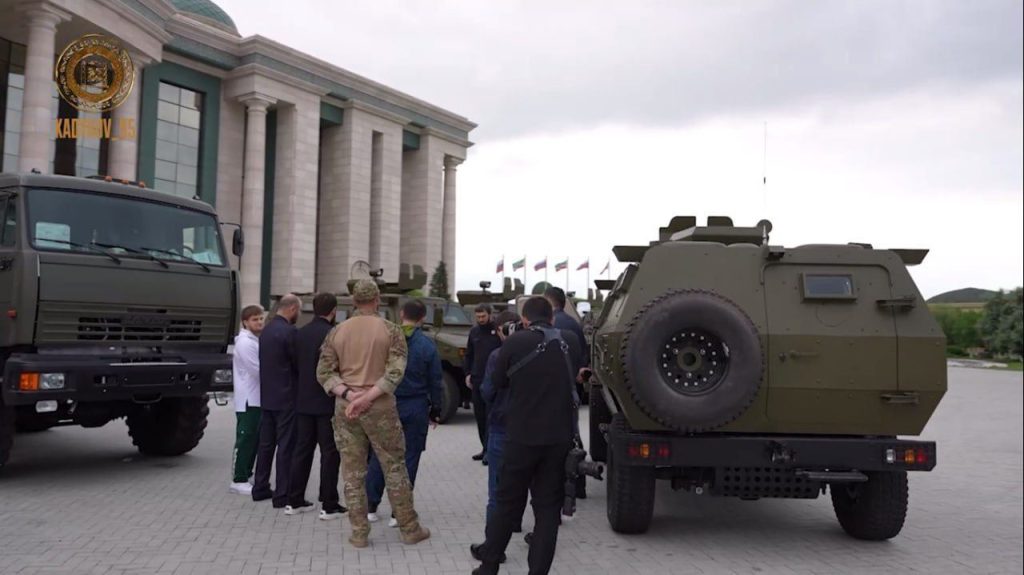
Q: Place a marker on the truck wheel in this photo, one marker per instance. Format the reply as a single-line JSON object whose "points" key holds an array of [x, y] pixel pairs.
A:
{"points": [[693, 360], [171, 426], [599, 414], [452, 397], [630, 492], [6, 432], [873, 510]]}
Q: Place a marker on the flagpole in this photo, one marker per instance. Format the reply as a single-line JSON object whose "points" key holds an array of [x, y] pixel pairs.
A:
{"points": [[526, 264], [567, 264], [588, 279], [545, 269]]}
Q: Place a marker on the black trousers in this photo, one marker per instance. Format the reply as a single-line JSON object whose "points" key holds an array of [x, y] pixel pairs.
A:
{"points": [[312, 431], [277, 434], [537, 470], [480, 413]]}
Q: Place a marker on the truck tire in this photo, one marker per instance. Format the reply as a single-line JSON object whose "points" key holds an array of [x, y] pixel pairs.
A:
{"points": [[171, 426], [452, 397], [599, 414], [630, 492], [873, 510], [6, 433], [693, 360]]}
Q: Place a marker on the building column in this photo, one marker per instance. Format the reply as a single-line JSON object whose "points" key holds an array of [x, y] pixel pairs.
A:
{"points": [[124, 152], [37, 121], [448, 220], [252, 195], [422, 205]]}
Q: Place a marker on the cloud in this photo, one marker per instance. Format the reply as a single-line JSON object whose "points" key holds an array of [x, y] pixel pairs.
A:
{"points": [[528, 67]]}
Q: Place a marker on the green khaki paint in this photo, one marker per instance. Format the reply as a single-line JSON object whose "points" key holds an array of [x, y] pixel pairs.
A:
{"points": [[872, 363]]}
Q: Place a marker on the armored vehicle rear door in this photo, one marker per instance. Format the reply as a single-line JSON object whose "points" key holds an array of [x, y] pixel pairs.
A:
{"points": [[828, 335]]}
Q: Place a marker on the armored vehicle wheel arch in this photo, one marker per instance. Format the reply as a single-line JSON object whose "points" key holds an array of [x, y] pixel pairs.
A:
{"points": [[693, 360]]}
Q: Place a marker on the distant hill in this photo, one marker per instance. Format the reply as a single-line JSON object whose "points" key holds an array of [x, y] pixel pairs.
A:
{"points": [[965, 295]]}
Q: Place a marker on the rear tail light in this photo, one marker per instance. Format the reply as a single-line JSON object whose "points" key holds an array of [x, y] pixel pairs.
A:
{"points": [[648, 451]]}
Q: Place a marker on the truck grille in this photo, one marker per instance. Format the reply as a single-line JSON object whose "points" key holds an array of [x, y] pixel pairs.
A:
{"points": [[77, 323]]}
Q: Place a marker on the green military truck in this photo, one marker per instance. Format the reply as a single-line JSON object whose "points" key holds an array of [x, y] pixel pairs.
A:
{"points": [[117, 301], [728, 366], [447, 325]]}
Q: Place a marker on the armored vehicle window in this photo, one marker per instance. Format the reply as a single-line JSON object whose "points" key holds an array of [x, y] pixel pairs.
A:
{"points": [[10, 231], [83, 222], [818, 286]]}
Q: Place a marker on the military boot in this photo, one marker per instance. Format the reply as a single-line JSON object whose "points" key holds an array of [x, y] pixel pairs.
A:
{"points": [[416, 535]]}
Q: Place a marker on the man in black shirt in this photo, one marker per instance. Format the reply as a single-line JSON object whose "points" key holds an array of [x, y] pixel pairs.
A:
{"points": [[483, 339], [313, 412], [537, 375]]}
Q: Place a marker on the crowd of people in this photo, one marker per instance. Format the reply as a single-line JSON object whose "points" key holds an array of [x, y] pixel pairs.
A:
{"points": [[366, 391]]}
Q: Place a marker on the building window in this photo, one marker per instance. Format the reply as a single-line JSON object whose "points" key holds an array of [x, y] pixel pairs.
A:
{"points": [[179, 117]]}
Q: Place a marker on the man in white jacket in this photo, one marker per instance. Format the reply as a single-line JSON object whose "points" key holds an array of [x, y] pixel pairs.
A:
{"points": [[246, 369]]}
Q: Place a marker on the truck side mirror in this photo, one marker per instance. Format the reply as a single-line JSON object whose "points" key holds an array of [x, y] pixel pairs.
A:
{"points": [[438, 317], [238, 242]]}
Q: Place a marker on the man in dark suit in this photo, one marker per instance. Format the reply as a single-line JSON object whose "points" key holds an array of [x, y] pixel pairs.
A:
{"points": [[278, 372], [313, 412]]}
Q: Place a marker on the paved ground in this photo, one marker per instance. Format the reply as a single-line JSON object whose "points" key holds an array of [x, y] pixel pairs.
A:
{"points": [[82, 501]]}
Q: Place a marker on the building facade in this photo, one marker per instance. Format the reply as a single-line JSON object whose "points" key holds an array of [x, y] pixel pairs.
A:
{"points": [[321, 168]]}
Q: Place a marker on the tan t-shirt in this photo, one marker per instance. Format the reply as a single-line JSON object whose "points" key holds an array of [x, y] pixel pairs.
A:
{"points": [[363, 351]]}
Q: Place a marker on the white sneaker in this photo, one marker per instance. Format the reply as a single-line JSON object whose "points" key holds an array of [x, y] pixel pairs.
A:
{"points": [[372, 517], [289, 510], [241, 488], [329, 515], [392, 522]]}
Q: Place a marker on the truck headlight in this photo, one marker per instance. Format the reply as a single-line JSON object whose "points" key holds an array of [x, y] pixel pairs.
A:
{"points": [[51, 381], [223, 376]]}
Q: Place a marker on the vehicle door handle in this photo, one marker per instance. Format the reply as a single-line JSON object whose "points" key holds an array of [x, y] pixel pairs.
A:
{"points": [[904, 398], [898, 303], [794, 354]]}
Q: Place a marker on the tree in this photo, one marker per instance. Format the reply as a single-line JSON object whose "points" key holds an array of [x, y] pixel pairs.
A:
{"points": [[439, 282], [539, 288], [599, 298], [1002, 324]]}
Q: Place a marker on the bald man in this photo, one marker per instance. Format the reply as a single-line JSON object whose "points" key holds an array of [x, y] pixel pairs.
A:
{"points": [[278, 376]]}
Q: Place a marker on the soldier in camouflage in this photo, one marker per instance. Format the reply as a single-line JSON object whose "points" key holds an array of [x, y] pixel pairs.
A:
{"points": [[362, 362]]}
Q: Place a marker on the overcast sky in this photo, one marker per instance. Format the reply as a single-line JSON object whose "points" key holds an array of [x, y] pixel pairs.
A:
{"points": [[894, 123]]}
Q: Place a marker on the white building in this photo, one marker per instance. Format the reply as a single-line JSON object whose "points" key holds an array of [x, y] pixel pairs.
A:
{"points": [[321, 167]]}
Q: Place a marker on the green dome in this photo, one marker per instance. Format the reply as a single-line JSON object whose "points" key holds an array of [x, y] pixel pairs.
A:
{"points": [[207, 12]]}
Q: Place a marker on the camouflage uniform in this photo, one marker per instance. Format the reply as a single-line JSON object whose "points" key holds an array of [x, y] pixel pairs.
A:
{"points": [[379, 426]]}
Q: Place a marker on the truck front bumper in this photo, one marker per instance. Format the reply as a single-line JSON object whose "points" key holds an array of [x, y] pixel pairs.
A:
{"points": [[772, 452], [28, 378]]}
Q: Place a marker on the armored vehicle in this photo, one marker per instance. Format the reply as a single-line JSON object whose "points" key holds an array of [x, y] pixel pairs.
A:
{"points": [[119, 302], [732, 367], [499, 301], [447, 325]]}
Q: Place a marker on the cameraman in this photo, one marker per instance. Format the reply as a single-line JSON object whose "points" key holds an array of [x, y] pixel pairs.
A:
{"points": [[533, 370]]}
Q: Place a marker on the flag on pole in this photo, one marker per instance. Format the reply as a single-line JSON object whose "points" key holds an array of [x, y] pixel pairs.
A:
{"points": [[606, 266], [501, 267], [541, 265], [561, 266], [584, 266], [518, 264]]}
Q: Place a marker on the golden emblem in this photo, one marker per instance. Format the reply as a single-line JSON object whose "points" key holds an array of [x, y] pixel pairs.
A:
{"points": [[94, 73]]}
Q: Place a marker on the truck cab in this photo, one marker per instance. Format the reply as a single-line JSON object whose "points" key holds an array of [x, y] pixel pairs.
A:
{"points": [[117, 301]]}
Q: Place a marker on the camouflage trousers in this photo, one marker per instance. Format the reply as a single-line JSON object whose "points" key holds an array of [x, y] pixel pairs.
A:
{"points": [[378, 427]]}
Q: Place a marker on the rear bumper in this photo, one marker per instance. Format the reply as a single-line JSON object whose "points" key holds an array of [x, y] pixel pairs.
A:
{"points": [[796, 453], [91, 378]]}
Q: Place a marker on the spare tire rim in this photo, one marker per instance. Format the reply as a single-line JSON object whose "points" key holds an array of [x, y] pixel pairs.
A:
{"points": [[694, 361]]}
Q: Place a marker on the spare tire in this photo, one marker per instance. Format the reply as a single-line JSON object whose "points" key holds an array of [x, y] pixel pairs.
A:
{"points": [[693, 360]]}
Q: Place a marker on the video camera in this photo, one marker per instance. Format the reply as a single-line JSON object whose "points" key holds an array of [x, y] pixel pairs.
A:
{"points": [[576, 469]]}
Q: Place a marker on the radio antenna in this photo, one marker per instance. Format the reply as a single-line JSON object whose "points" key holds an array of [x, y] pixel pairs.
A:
{"points": [[764, 171]]}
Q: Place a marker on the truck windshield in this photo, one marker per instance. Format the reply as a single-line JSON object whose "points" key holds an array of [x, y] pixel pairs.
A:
{"points": [[453, 314], [61, 220]]}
